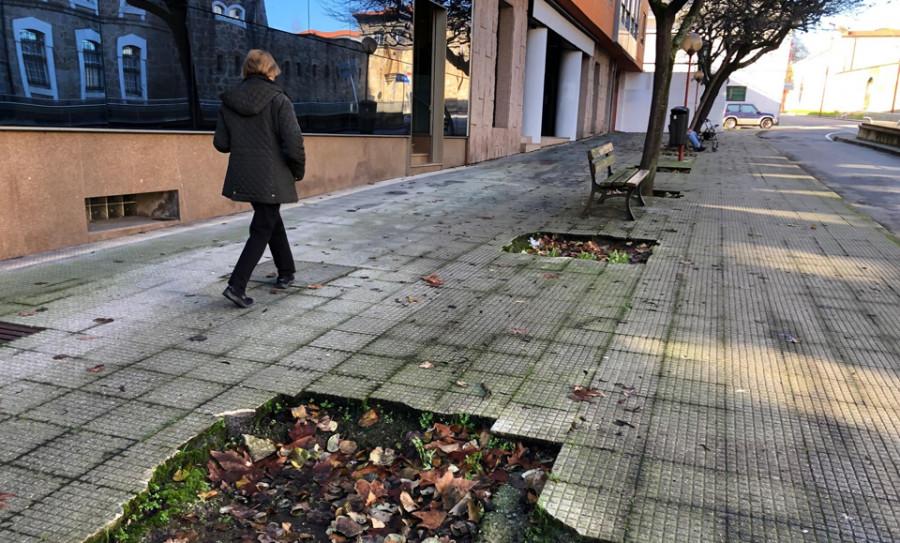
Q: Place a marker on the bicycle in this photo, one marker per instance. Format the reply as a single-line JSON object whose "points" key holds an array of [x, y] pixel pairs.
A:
{"points": [[709, 134]]}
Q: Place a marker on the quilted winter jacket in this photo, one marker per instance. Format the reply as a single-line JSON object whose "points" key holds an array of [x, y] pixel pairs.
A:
{"points": [[257, 125]]}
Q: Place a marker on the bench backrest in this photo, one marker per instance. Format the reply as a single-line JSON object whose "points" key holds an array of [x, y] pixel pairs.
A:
{"points": [[608, 159]]}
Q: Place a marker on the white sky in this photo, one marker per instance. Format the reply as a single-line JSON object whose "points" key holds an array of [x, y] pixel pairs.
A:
{"points": [[883, 14]]}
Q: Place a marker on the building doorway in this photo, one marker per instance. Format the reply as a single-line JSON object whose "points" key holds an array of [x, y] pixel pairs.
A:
{"points": [[429, 56]]}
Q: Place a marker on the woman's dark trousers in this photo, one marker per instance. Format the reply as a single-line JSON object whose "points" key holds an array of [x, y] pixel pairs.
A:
{"points": [[266, 228]]}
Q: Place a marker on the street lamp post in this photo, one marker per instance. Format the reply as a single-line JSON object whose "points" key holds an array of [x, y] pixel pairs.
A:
{"points": [[690, 44]]}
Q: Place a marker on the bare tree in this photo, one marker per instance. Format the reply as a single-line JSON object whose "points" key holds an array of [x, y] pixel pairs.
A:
{"points": [[667, 44], [459, 16], [740, 32]]}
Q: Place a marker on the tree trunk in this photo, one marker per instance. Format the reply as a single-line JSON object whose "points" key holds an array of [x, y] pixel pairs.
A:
{"points": [[659, 100], [709, 96]]}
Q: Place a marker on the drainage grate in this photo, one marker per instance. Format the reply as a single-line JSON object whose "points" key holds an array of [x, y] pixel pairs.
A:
{"points": [[10, 331]]}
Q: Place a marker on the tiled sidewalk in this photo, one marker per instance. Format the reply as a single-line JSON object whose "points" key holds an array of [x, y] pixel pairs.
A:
{"points": [[750, 367]]}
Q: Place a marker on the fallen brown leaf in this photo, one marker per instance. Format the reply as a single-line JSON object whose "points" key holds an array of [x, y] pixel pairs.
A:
{"points": [[584, 394], [314, 286], [369, 418], [426, 365], [431, 519], [406, 501], [433, 280], [370, 492], [3, 497], [347, 447], [96, 369]]}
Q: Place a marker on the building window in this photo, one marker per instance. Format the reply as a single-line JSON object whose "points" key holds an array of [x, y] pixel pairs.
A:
{"points": [[34, 51], [132, 67], [34, 58], [126, 8], [93, 66], [735, 93], [628, 13], [90, 4], [230, 14], [90, 63]]}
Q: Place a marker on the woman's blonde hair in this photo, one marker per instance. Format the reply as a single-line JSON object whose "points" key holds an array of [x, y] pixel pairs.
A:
{"points": [[260, 62]]}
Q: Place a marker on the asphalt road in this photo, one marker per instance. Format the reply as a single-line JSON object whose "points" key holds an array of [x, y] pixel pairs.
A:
{"points": [[868, 179]]}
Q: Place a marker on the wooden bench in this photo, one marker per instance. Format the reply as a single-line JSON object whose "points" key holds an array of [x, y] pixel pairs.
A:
{"points": [[624, 182]]}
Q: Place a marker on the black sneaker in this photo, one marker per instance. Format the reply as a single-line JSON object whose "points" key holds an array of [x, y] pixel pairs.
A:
{"points": [[284, 282], [239, 300], [701, 148]]}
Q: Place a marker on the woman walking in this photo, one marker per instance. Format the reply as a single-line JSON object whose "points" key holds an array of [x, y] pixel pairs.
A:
{"points": [[257, 125]]}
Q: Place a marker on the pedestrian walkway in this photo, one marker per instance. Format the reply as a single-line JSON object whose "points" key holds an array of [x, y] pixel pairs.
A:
{"points": [[750, 367]]}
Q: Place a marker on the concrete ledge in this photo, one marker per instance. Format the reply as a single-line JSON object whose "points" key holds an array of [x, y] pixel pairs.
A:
{"points": [[870, 144], [885, 134]]}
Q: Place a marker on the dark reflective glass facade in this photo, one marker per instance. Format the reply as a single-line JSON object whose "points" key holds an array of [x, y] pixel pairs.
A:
{"points": [[162, 64]]}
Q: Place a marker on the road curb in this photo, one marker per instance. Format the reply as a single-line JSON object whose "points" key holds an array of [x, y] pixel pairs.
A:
{"points": [[869, 144]]}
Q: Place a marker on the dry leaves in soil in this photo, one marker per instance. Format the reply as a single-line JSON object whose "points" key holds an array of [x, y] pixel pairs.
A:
{"points": [[556, 245], [318, 487]]}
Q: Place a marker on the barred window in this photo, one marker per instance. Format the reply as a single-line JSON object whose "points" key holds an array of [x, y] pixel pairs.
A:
{"points": [[34, 58], [131, 70], [735, 93], [93, 66]]}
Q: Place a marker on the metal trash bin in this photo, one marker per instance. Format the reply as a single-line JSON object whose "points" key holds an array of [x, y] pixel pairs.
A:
{"points": [[678, 125]]}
